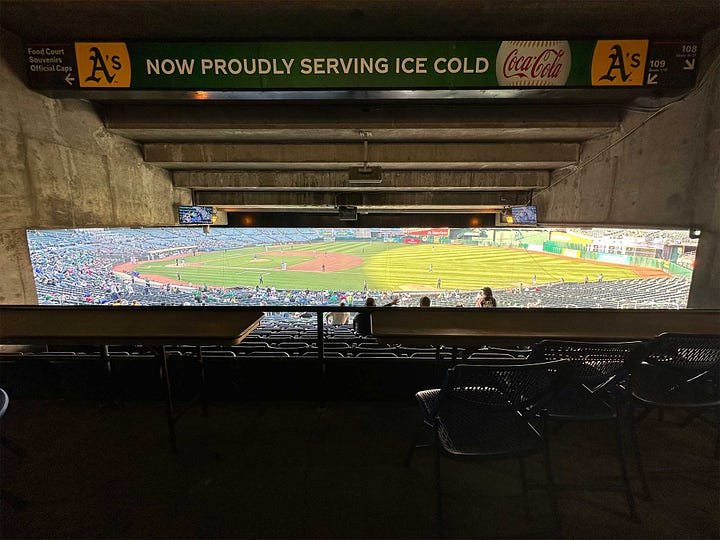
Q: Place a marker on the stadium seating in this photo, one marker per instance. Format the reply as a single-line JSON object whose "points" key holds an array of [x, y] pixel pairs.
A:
{"points": [[75, 267]]}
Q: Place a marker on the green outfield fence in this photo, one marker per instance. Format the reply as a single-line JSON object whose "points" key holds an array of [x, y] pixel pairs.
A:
{"points": [[645, 262]]}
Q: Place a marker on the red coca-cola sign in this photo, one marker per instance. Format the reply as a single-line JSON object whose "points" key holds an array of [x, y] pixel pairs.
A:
{"points": [[528, 63]]}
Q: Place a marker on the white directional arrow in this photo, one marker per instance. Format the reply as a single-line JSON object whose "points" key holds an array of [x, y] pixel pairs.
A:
{"points": [[689, 65], [652, 78], [69, 79]]}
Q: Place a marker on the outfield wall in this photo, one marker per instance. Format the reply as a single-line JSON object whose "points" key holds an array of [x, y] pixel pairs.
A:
{"points": [[560, 248]]}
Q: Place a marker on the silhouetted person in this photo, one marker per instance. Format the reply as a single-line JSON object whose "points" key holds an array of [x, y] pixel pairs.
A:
{"points": [[361, 323]]}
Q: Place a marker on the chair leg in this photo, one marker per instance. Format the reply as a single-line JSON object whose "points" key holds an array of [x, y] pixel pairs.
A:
{"points": [[413, 445], [717, 439], [623, 466], [523, 477], [636, 450], [549, 477], [438, 487]]}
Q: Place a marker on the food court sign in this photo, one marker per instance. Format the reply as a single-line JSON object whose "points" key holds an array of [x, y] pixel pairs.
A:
{"points": [[363, 65]]}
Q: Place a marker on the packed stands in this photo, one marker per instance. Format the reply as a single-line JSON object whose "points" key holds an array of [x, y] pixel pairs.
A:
{"points": [[76, 267]]}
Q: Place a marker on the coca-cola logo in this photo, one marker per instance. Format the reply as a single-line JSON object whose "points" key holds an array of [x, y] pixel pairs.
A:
{"points": [[525, 63], [546, 65]]}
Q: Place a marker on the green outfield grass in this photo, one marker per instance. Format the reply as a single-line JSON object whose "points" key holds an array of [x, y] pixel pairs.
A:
{"points": [[390, 266]]}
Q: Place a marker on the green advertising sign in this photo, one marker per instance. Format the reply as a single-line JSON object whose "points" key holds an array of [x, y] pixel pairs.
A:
{"points": [[363, 65]]}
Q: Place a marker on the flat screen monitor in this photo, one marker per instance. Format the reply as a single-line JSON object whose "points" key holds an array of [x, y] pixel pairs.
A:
{"points": [[524, 215], [195, 215]]}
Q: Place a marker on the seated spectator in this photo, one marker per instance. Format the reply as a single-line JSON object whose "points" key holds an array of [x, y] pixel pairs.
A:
{"points": [[361, 323], [425, 301]]}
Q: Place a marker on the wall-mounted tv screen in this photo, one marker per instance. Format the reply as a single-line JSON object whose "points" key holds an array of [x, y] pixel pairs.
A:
{"points": [[195, 215], [524, 215]]}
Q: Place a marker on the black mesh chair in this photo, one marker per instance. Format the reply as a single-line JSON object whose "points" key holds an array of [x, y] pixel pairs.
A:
{"points": [[5, 495], [596, 391], [678, 371], [493, 412]]}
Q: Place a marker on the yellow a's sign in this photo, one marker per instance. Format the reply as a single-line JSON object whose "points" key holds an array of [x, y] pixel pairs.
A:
{"points": [[103, 65], [619, 63]]}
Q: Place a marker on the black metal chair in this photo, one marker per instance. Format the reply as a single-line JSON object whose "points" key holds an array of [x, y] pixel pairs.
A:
{"points": [[493, 412], [596, 391], [678, 371], [6, 495]]}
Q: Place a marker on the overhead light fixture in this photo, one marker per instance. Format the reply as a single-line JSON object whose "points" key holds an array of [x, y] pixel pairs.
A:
{"points": [[365, 174]]}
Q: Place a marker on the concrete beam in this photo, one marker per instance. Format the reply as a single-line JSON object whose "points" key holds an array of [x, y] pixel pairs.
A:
{"points": [[342, 155], [506, 133], [342, 122], [52, 21], [309, 200], [338, 180]]}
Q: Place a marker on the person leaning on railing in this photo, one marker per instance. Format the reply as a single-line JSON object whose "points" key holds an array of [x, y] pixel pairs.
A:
{"points": [[338, 317], [361, 323]]}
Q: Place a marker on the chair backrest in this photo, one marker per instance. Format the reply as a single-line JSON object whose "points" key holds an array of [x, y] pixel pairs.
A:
{"points": [[4, 402], [679, 370], [592, 362], [689, 351], [485, 410], [524, 388]]}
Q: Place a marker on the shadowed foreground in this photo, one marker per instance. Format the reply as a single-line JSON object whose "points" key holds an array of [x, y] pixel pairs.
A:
{"points": [[297, 470]]}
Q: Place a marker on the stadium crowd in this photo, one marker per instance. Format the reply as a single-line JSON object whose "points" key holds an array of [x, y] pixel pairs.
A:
{"points": [[76, 267]]}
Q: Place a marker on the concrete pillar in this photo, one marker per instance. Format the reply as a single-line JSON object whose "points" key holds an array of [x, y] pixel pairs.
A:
{"points": [[705, 287], [61, 168], [661, 169]]}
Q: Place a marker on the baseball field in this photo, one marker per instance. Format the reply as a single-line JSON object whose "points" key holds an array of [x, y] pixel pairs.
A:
{"points": [[384, 266]]}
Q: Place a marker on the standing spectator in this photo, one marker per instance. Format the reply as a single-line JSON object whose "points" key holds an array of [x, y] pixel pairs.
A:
{"points": [[338, 317], [361, 323]]}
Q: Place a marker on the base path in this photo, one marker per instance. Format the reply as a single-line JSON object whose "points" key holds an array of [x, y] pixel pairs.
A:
{"points": [[334, 262]]}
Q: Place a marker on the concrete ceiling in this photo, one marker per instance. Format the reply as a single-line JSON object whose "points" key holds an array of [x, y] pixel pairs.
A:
{"points": [[438, 155]]}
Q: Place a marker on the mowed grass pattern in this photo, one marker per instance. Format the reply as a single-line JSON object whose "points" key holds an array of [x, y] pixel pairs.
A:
{"points": [[386, 266]]}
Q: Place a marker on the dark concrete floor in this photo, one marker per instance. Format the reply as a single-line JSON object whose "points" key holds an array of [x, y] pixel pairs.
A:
{"points": [[296, 470]]}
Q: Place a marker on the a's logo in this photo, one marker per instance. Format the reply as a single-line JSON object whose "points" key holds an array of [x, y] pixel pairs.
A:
{"points": [[533, 63], [105, 65], [619, 63], [99, 66]]}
